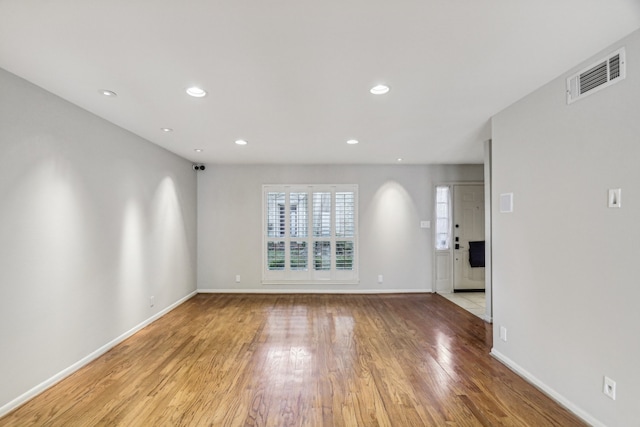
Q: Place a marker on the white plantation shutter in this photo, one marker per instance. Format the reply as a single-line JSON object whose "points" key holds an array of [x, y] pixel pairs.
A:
{"points": [[275, 214], [322, 214], [345, 230], [310, 234], [345, 203], [275, 255], [299, 214], [298, 226], [299, 257], [321, 256], [344, 255]]}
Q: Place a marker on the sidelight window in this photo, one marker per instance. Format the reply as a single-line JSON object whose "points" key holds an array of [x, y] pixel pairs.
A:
{"points": [[443, 218]]}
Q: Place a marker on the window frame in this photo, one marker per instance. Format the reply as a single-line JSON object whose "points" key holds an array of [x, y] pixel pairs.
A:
{"points": [[448, 229], [310, 275]]}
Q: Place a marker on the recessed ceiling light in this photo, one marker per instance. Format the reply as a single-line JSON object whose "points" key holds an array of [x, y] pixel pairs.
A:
{"points": [[106, 92], [379, 89], [241, 142], [352, 141], [196, 92], [198, 150], [166, 129], [399, 159]]}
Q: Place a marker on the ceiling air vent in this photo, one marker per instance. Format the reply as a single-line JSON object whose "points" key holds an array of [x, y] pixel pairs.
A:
{"points": [[603, 73]]}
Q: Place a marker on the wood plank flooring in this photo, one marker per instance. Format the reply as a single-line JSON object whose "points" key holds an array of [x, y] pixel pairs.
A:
{"points": [[299, 360]]}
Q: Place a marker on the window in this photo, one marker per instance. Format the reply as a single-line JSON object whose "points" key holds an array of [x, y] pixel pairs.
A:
{"points": [[443, 218], [310, 234]]}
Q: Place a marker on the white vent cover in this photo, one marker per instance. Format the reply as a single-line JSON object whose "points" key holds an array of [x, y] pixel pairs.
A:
{"points": [[598, 76]]}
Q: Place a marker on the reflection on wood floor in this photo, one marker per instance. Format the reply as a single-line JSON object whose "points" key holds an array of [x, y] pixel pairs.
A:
{"points": [[300, 360]]}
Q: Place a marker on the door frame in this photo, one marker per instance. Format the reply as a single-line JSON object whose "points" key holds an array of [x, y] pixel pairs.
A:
{"points": [[488, 271], [488, 316]]}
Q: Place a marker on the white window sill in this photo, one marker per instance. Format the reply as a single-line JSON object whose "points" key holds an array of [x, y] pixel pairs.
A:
{"points": [[311, 282]]}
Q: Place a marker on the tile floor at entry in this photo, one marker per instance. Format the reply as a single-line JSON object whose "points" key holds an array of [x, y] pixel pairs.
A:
{"points": [[473, 302]]}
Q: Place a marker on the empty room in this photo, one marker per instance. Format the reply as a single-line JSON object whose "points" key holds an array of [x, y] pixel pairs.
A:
{"points": [[374, 213]]}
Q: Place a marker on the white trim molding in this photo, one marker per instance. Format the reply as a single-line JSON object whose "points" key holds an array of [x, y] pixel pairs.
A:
{"points": [[314, 291], [586, 417], [30, 394]]}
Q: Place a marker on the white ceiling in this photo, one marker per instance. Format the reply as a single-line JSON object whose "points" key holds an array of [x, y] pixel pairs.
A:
{"points": [[292, 76]]}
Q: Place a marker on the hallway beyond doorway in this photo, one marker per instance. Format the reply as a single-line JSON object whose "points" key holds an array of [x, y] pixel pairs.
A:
{"points": [[473, 302]]}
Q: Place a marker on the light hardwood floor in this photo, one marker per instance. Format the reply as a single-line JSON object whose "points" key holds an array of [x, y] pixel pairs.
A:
{"points": [[300, 360]]}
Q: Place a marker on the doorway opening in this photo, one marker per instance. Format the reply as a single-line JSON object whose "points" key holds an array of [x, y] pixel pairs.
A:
{"points": [[460, 245]]}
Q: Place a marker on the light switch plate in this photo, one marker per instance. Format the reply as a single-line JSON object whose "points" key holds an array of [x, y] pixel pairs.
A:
{"points": [[503, 333], [506, 203], [615, 195], [609, 388], [425, 224]]}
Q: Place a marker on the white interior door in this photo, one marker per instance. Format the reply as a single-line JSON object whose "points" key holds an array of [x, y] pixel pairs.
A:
{"points": [[468, 226]]}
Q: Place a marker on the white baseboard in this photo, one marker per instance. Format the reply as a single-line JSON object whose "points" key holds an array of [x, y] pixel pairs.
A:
{"points": [[30, 394], [588, 418], [314, 291]]}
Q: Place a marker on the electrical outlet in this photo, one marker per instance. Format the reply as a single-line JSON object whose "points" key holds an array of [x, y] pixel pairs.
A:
{"points": [[151, 301], [609, 388], [237, 278], [503, 333], [380, 278]]}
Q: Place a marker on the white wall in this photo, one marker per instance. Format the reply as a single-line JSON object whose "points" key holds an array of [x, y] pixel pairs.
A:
{"points": [[392, 201], [565, 282], [93, 221]]}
